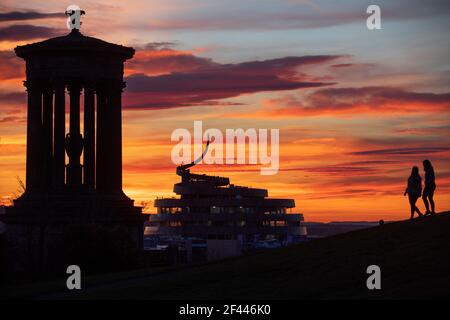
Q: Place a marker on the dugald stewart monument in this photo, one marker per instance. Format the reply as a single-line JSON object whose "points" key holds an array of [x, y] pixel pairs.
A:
{"points": [[73, 177]]}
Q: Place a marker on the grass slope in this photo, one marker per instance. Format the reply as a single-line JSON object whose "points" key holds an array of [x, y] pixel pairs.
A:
{"points": [[414, 257]]}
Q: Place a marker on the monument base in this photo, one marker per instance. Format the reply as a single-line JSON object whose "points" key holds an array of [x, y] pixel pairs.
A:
{"points": [[36, 224]]}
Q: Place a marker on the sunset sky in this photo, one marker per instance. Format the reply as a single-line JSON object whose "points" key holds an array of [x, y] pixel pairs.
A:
{"points": [[356, 108]]}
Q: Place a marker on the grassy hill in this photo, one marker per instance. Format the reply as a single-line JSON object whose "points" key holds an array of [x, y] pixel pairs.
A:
{"points": [[414, 257]]}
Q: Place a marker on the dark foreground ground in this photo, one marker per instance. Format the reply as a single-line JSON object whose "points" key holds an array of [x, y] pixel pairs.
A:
{"points": [[414, 257]]}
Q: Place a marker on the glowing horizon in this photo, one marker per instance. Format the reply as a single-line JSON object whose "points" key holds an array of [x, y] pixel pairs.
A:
{"points": [[356, 108]]}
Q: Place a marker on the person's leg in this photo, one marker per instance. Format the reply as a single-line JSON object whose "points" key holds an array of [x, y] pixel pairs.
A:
{"points": [[430, 197], [418, 212], [425, 201], [412, 206], [415, 207]]}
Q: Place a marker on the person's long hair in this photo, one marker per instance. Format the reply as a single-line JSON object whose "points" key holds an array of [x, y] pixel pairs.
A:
{"points": [[427, 165]]}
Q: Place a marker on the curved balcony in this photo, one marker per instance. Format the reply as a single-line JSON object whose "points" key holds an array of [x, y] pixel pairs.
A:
{"points": [[225, 202], [224, 217], [205, 189], [204, 231]]}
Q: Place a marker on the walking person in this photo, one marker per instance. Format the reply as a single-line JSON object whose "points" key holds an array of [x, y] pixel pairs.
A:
{"points": [[414, 190], [430, 186]]}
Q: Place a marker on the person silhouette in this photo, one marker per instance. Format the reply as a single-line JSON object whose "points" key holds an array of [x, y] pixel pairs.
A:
{"points": [[414, 190], [430, 186]]}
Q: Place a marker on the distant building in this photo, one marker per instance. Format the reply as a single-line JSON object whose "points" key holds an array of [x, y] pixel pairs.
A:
{"points": [[210, 208]]}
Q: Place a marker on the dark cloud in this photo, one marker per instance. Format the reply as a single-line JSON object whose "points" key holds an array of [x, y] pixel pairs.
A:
{"points": [[13, 97], [376, 96], [342, 65], [424, 131], [212, 81], [11, 66], [160, 45], [338, 170], [363, 100], [410, 9], [13, 107], [27, 15], [370, 162], [353, 66], [256, 21], [302, 15], [13, 119], [403, 151], [162, 60], [26, 32]]}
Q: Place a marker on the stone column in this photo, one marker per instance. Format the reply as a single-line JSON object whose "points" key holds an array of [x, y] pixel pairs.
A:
{"points": [[115, 133], [109, 137], [59, 154], [89, 137], [47, 141], [34, 134], [74, 140], [102, 155]]}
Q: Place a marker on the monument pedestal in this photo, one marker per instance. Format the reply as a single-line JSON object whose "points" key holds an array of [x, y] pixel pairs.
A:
{"points": [[36, 224]]}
